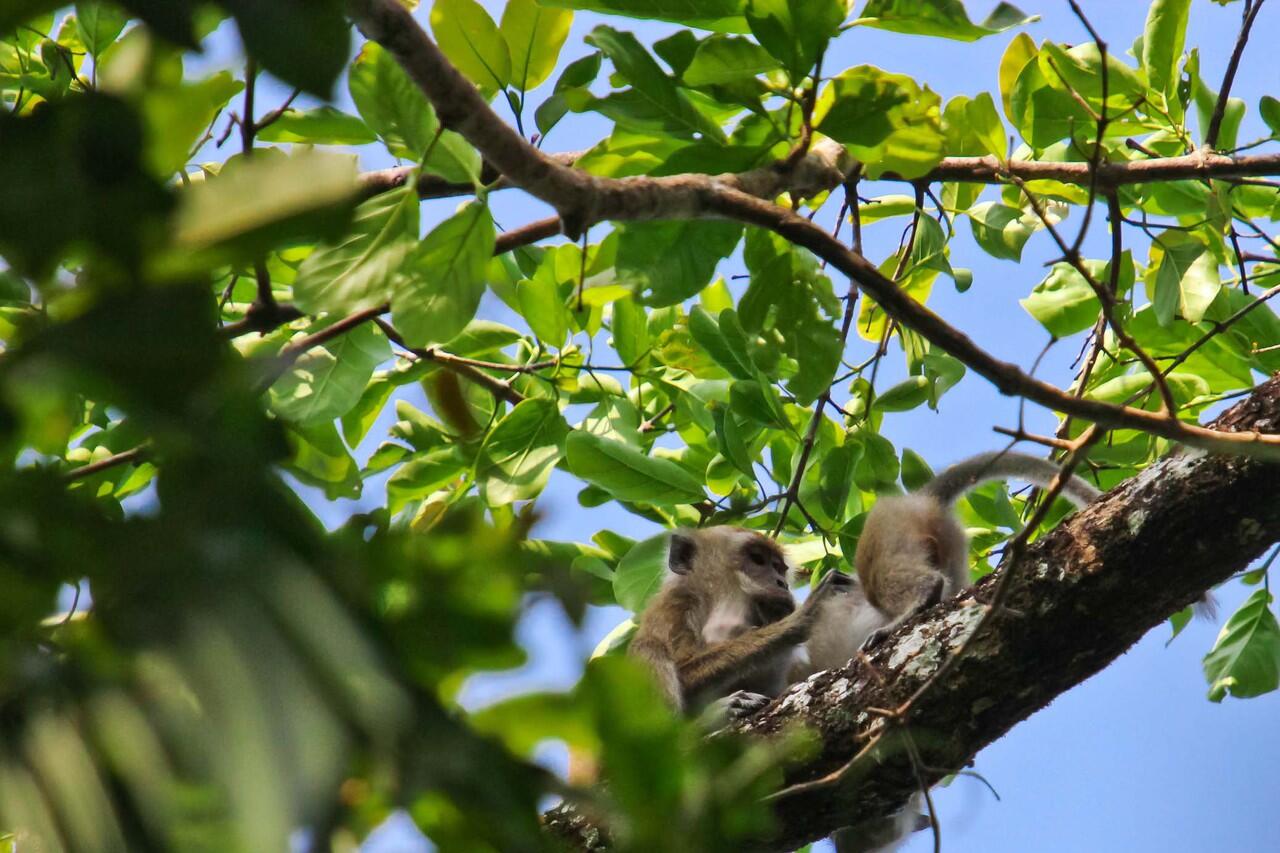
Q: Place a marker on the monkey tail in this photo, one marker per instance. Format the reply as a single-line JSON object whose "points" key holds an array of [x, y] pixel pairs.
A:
{"points": [[970, 473]]}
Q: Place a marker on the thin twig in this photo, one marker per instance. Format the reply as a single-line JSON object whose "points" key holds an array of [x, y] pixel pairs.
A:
{"points": [[1248, 15]]}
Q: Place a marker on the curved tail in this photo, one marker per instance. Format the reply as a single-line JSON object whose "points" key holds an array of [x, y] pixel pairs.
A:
{"points": [[976, 470]]}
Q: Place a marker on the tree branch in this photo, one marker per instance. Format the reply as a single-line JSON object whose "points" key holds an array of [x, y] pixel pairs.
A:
{"points": [[1102, 579], [584, 199]]}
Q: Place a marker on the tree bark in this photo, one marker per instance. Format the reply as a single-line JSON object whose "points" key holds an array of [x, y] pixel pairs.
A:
{"points": [[1083, 594]]}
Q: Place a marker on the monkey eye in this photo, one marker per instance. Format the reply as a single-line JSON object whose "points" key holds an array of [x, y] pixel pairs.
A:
{"points": [[757, 556]]}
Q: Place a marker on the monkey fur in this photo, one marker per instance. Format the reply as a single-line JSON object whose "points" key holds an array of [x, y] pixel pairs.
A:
{"points": [[913, 552], [725, 625]]}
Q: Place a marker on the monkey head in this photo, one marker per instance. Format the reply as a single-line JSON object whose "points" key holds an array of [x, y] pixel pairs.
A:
{"points": [[723, 557]]}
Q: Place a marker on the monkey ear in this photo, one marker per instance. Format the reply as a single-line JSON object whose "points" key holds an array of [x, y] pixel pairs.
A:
{"points": [[680, 551]]}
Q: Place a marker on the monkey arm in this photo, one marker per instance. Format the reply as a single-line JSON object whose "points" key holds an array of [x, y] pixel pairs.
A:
{"points": [[709, 669]]}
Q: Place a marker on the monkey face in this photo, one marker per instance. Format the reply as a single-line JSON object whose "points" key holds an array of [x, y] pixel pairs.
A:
{"points": [[762, 572]]}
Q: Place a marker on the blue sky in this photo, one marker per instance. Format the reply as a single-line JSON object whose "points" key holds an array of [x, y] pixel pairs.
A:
{"points": [[1135, 759]]}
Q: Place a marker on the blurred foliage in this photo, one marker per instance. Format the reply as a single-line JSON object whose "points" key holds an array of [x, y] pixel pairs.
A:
{"points": [[187, 340]]}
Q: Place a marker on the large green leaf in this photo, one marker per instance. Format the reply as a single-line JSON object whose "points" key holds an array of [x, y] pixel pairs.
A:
{"points": [[467, 35], [1245, 659], [314, 53], [518, 455], [327, 381], [669, 261], [652, 85], [640, 572], [394, 108], [321, 125], [1001, 230], [944, 18], [534, 35], [1186, 278], [58, 190], [177, 116], [628, 474], [796, 32], [1162, 42], [423, 474], [719, 15], [542, 306], [99, 25], [357, 272], [1064, 303], [886, 120], [443, 280], [725, 59]]}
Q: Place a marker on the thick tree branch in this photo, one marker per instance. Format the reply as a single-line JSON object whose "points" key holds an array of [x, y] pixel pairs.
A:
{"points": [[1084, 594], [584, 199]]}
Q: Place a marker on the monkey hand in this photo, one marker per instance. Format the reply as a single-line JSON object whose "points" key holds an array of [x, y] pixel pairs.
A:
{"points": [[877, 637], [832, 584], [738, 705]]}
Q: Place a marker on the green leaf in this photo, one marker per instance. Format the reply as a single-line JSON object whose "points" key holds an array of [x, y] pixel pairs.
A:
{"points": [[321, 125], [670, 261], [1017, 56], [640, 572], [469, 38], [984, 122], [1186, 280], [99, 24], [542, 305], [836, 479], [320, 459], [518, 455], [311, 62], [326, 382], [726, 59], [1001, 230], [394, 108], [1064, 303], [907, 394], [177, 116], [443, 279], [628, 474], [1269, 109], [534, 34], [1080, 69], [423, 474], [1245, 659], [796, 32], [915, 471], [357, 272], [72, 173], [706, 330], [885, 120], [630, 333], [254, 205], [657, 90], [1162, 42], [577, 75], [719, 15], [816, 345], [1042, 113], [942, 18]]}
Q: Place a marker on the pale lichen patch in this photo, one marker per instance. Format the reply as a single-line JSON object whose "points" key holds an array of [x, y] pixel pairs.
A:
{"points": [[1136, 519]]}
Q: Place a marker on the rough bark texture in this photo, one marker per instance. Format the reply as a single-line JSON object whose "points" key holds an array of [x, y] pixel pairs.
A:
{"points": [[1083, 594]]}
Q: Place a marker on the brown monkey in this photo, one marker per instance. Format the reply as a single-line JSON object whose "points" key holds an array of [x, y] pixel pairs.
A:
{"points": [[913, 552], [725, 626]]}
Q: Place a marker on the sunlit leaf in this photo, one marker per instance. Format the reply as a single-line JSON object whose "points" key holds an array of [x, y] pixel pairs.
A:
{"points": [[1245, 659]]}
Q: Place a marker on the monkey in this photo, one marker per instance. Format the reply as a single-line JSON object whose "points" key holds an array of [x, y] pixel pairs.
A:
{"points": [[725, 627], [913, 552]]}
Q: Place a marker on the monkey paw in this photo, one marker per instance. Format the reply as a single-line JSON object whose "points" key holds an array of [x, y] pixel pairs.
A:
{"points": [[877, 637], [744, 703]]}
